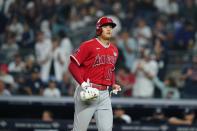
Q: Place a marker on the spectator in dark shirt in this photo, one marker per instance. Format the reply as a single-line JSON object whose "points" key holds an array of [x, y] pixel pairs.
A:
{"points": [[189, 118], [120, 117], [67, 86], [185, 36], [34, 85], [161, 57], [158, 117], [189, 76]]}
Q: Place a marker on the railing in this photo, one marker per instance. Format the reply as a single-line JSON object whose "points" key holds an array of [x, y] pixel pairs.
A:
{"points": [[115, 101]]}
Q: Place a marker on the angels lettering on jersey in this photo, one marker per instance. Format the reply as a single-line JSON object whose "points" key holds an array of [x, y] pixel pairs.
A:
{"points": [[105, 59]]}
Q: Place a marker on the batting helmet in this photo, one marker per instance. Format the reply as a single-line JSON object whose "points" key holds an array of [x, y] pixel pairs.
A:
{"points": [[103, 21]]}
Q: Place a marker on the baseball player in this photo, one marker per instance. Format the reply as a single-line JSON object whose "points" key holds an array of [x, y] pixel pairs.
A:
{"points": [[92, 66]]}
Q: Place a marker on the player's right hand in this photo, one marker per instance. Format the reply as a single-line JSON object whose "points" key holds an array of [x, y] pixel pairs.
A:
{"points": [[88, 92], [85, 84]]}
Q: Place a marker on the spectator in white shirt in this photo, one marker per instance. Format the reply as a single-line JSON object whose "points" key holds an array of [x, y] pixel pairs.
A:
{"points": [[145, 69], [129, 47], [43, 52], [10, 46], [67, 48], [57, 60], [3, 90], [143, 33], [7, 78], [52, 90], [16, 27], [16, 66]]}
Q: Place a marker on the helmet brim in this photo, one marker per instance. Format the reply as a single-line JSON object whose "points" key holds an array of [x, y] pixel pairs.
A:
{"points": [[112, 24]]}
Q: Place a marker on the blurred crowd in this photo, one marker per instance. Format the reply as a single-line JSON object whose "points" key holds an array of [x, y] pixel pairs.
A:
{"points": [[185, 116], [37, 37]]}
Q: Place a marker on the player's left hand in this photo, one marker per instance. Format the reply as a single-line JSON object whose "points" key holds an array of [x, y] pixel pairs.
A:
{"points": [[116, 88]]}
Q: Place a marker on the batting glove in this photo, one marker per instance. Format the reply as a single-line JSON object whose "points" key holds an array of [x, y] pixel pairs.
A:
{"points": [[88, 92]]}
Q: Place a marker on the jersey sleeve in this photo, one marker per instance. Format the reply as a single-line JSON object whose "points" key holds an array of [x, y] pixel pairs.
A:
{"points": [[80, 54], [76, 71]]}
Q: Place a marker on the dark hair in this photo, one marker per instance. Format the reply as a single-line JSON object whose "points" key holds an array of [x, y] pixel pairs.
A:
{"points": [[55, 38], [172, 81], [62, 34], [118, 107]]}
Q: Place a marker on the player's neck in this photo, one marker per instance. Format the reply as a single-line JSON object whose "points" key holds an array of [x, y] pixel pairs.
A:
{"points": [[104, 41]]}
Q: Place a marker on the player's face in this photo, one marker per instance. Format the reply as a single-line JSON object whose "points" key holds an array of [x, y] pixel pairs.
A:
{"points": [[106, 32]]}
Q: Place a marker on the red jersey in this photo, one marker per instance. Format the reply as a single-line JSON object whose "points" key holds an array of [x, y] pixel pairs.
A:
{"points": [[96, 61]]}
